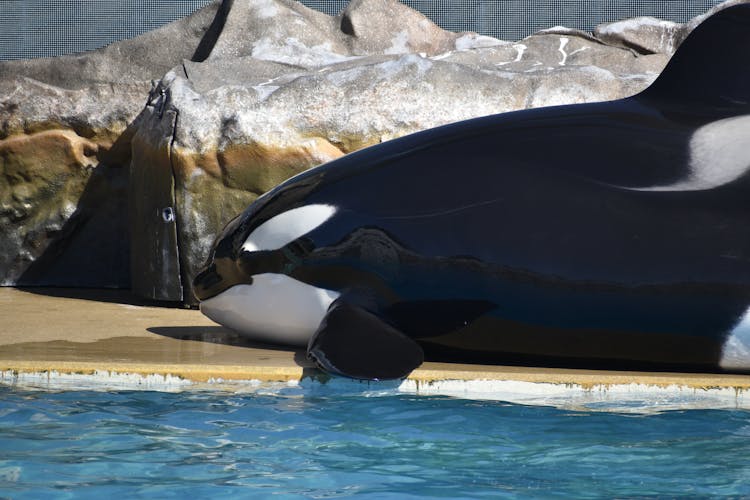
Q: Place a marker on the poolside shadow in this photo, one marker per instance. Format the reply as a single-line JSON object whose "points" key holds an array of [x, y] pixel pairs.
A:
{"points": [[215, 335], [108, 295], [225, 336]]}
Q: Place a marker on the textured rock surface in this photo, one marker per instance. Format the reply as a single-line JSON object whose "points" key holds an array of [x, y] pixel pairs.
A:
{"points": [[251, 92], [140, 59], [63, 182], [647, 35], [65, 129]]}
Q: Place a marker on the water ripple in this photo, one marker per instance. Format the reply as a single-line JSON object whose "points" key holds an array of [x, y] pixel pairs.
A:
{"points": [[160, 445]]}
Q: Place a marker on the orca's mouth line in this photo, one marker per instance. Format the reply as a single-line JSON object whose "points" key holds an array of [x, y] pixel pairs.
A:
{"points": [[210, 283]]}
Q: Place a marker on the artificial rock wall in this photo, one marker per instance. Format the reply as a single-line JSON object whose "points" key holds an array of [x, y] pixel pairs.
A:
{"points": [[119, 166]]}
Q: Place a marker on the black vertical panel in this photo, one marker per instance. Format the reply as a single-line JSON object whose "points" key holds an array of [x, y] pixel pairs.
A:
{"points": [[154, 253]]}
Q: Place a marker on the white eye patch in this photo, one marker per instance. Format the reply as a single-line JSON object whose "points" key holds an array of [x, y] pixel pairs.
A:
{"points": [[719, 154], [286, 227]]}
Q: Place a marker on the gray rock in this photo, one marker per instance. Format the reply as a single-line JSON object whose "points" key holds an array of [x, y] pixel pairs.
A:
{"points": [[140, 59], [648, 35], [280, 31], [556, 49], [287, 32], [389, 27], [65, 130], [645, 35]]}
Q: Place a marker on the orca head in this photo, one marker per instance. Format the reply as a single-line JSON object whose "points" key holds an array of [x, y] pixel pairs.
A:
{"points": [[245, 284]]}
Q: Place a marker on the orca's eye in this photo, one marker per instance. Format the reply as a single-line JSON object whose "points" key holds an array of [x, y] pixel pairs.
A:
{"points": [[279, 231]]}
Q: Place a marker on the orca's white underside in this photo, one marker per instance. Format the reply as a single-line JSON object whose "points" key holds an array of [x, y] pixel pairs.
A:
{"points": [[275, 308], [735, 355]]}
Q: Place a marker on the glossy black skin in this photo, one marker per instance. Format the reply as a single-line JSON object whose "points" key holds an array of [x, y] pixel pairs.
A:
{"points": [[525, 237]]}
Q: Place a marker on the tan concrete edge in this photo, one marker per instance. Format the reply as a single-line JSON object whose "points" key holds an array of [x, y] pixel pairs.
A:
{"points": [[98, 335], [194, 373], [429, 373], [585, 378]]}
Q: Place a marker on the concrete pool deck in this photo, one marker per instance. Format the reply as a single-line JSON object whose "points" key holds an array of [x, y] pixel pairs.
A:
{"points": [[109, 339]]}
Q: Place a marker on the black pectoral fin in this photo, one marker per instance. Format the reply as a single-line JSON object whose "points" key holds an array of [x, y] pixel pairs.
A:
{"points": [[356, 343]]}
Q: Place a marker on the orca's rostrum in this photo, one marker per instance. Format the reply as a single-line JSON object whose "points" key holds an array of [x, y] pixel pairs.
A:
{"points": [[611, 235]]}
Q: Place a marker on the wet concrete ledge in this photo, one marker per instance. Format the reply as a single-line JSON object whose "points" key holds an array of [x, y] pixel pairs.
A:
{"points": [[105, 339]]}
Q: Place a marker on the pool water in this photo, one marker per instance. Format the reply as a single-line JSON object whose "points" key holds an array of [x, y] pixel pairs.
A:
{"points": [[297, 444]]}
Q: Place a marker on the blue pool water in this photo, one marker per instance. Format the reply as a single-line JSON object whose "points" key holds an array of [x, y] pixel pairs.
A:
{"points": [[293, 444]]}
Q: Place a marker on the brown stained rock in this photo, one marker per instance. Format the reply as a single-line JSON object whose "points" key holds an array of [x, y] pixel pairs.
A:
{"points": [[75, 145], [258, 167], [42, 178], [42, 156], [210, 205], [254, 167]]}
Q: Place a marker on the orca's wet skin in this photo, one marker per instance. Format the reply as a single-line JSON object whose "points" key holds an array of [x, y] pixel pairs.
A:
{"points": [[612, 235]]}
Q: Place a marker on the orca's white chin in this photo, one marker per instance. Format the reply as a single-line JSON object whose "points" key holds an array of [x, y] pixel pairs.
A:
{"points": [[735, 354], [275, 309]]}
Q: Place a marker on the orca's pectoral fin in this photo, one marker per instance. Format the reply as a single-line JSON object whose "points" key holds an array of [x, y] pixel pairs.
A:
{"points": [[353, 342]]}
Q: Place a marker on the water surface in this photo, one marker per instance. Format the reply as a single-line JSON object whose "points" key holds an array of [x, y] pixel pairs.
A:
{"points": [[294, 444]]}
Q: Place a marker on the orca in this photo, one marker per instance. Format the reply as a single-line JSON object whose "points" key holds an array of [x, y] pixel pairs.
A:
{"points": [[605, 235]]}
